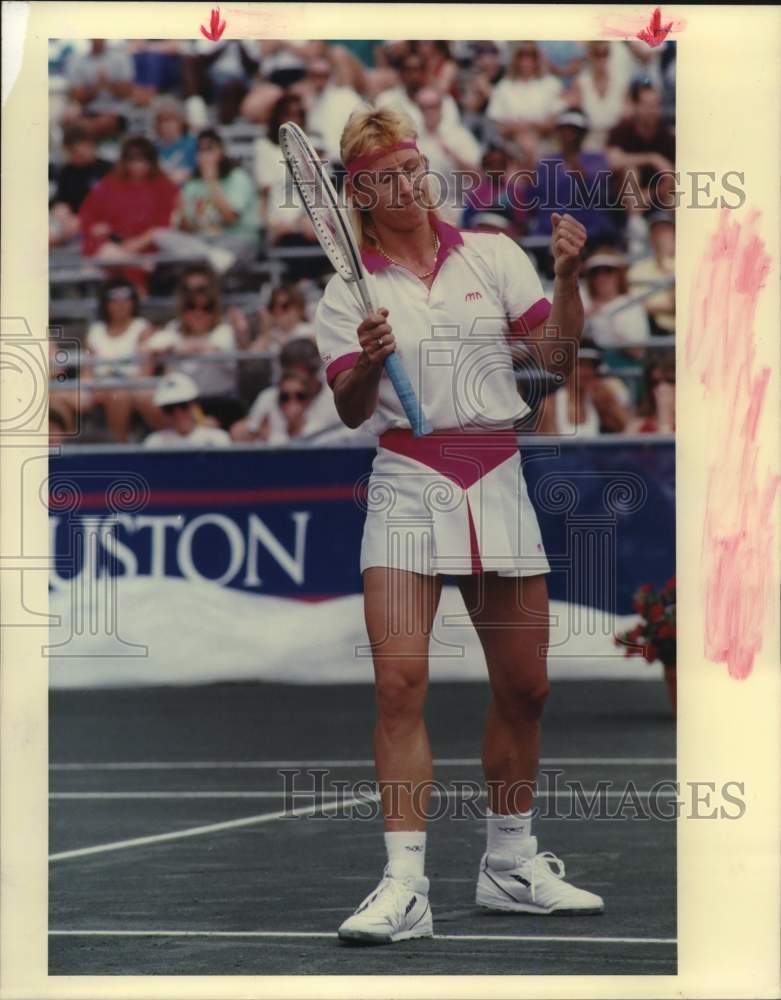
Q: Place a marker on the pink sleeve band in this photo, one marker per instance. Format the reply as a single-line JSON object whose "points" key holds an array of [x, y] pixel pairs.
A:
{"points": [[532, 318], [341, 365]]}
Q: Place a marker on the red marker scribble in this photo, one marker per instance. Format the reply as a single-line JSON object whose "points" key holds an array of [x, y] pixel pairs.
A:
{"points": [[737, 539], [656, 32], [637, 26], [216, 27]]}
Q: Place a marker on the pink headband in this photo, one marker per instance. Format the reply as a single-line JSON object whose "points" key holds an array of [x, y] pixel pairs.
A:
{"points": [[362, 162]]}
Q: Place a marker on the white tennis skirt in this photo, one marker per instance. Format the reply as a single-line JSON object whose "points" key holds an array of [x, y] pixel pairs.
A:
{"points": [[453, 502]]}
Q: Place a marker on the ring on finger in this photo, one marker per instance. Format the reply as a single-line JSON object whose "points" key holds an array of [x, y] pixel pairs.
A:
{"points": [[379, 341]]}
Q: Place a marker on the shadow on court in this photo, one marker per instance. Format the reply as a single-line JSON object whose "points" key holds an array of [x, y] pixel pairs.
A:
{"points": [[254, 895]]}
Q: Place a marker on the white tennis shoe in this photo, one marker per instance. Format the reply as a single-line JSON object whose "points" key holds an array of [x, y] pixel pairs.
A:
{"points": [[531, 883], [396, 910]]}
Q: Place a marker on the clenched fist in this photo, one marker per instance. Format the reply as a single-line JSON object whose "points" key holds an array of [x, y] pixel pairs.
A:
{"points": [[567, 242]]}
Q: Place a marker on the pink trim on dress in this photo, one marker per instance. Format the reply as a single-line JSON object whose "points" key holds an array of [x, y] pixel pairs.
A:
{"points": [[341, 365], [462, 456], [474, 548], [532, 318]]}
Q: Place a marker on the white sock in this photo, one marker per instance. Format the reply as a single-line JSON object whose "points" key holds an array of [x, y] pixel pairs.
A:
{"points": [[406, 852], [507, 834]]}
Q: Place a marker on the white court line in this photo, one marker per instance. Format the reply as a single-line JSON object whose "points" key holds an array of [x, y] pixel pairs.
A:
{"points": [[321, 934], [198, 831], [239, 794], [197, 765]]}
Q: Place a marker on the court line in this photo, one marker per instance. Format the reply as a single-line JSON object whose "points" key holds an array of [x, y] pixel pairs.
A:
{"points": [[189, 765], [240, 794], [198, 831], [560, 938]]}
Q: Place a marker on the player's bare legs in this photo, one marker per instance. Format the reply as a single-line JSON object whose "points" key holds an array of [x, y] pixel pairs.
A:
{"points": [[399, 608], [510, 615]]}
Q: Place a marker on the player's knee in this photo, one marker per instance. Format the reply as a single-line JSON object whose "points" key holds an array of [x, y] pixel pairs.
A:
{"points": [[400, 696], [522, 699]]}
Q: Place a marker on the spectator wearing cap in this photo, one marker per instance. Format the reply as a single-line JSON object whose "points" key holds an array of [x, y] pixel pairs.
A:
{"points": [[113, 345], [175, 146], [615, 322], [600, 89], [452, 153], [524, 105], [658, 268], [498, 193], [75, 179], [123, 212], [576, 182], [590, 402], [177, 398], [656, 409], [268, 420], [329, 104], [643, 146], [412, 79]]}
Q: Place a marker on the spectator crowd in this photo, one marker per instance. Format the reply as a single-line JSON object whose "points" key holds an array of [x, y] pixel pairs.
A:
{"points": [[184, 272]]}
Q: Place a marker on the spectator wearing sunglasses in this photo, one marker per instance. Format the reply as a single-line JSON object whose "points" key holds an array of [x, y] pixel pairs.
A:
{"points": [[200, 329], [267, 420], [177, 397], [282, 321], [656, 410]]}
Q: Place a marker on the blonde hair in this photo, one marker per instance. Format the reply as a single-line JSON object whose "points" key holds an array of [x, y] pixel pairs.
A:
{"points": [[368, 129]]}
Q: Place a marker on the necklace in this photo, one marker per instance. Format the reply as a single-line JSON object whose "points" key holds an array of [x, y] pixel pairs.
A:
{"points": [[394, 261]]}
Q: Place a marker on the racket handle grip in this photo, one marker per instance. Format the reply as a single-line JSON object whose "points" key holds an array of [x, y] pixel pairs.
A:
{"points": [[401, 383]]}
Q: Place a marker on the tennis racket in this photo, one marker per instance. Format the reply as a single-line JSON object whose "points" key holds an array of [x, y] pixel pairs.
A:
{"points": [[336, 237]]}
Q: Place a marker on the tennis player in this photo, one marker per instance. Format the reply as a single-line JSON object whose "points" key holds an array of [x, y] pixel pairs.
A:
{"points": [[454, 502]]}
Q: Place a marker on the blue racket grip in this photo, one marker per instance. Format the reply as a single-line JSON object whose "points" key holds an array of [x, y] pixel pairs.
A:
{"points": [[401, 383]]}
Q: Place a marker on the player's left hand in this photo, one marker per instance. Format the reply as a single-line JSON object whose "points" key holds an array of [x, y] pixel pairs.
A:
{"points": [[567, 242]]}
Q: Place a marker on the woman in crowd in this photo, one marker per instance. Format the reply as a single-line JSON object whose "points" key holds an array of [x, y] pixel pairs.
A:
{"points": [[175, 146], [601, 91], [659, 268], [199, 330], [123, 212], [615, 322], [219, 203], [656, 410], [113, 344], [589, 402], [525, 103], [271, 174], [439, 65], [283, 320]]}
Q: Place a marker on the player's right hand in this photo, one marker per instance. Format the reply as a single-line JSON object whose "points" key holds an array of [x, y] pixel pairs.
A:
{"points": [[376, 338]]}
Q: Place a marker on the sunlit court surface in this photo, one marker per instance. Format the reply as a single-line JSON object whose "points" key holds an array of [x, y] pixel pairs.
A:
{"points": [[227, 884], [278, 409]]}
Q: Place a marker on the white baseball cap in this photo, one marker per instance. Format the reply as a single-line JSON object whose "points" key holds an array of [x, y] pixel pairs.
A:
{"points": [[175, 388]]}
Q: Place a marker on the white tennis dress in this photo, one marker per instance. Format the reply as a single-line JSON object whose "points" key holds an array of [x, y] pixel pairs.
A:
{"points": [[454, 501]]}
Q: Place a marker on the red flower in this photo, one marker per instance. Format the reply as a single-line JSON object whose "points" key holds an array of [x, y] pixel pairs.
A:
{"points": [[664, 631], [670, 585], [651, 653], [656, 612]]}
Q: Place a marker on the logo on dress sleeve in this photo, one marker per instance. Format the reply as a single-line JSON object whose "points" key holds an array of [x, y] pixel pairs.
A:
{"points": [[472, 296]]}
